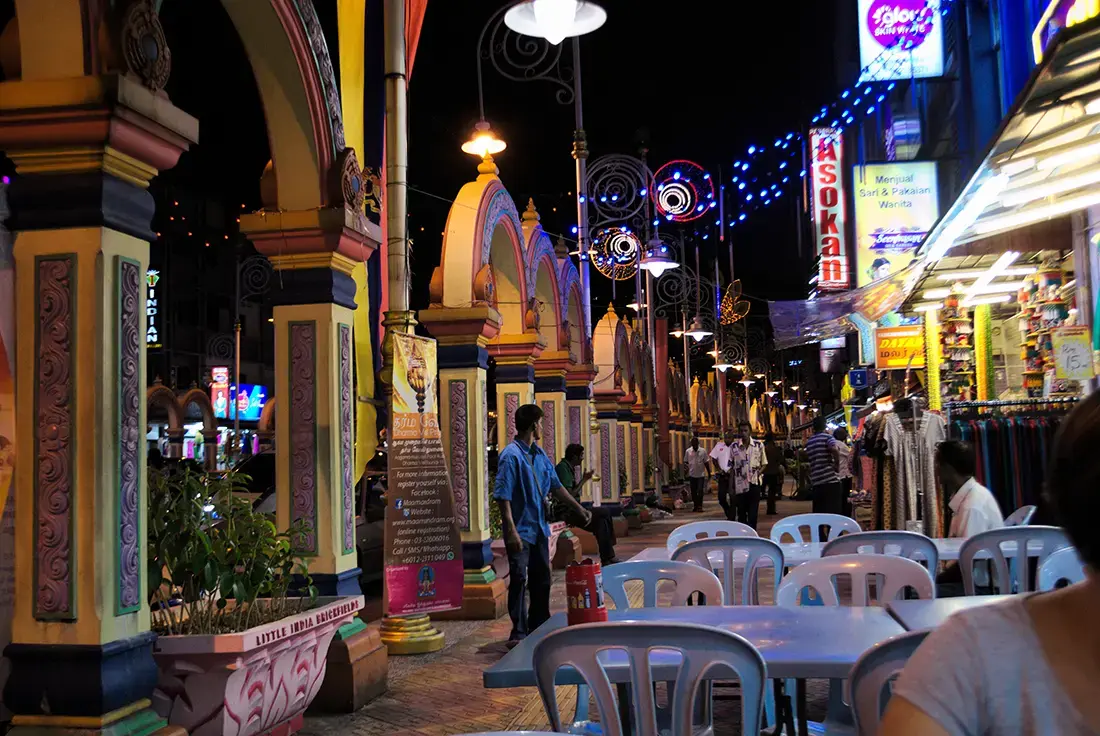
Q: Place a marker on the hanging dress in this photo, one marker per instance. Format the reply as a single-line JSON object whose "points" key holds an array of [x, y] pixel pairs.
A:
{"points": [[914, 452]]}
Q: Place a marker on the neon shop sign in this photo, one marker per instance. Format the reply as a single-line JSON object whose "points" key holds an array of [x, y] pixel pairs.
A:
{"points": [[152, 309]]}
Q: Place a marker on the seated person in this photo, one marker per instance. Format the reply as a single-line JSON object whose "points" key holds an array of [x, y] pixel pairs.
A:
{"points": [[573, 480], [1027, 666], [973, 508]]}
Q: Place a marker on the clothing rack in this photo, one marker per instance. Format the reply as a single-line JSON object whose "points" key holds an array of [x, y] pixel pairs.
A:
{"points": [[993, 404]]}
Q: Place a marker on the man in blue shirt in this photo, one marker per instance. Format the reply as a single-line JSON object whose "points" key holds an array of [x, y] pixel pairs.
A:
{"points": [[525, 478]]}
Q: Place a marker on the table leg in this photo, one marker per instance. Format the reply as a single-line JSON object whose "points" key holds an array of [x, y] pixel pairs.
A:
{"points": [[800, 706], [784, 718], [625, 709]]}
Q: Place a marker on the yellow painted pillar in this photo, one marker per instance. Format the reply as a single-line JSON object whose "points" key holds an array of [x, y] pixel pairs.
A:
{"points": [[463, 397], [550, 395], [85, 149], [514, 378], [611, 441], [578, 420]]}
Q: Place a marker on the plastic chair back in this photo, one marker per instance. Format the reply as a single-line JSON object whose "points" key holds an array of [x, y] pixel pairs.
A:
{"points": [[892, 575], [1021, 516], [688, 579], [872, 676], [793, 526], [910, 545], [706, 530], [1007, 578], [723, 548], [1061, 565], [516, 733], [702, 649]]}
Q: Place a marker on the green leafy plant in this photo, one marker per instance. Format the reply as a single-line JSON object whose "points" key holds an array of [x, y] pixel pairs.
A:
{"points": [[624, 479], [496, 526], [650, 468], [216, 566]]}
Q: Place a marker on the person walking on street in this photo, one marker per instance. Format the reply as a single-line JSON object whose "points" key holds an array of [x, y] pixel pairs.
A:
{"points": [[721, 455], [600, 524], [698, 472], [525, 476], [773, 472], [746, 496], [825, 488], [844, 468]]}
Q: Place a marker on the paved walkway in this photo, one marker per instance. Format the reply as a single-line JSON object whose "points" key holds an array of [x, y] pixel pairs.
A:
{"points": [[441, 694]]}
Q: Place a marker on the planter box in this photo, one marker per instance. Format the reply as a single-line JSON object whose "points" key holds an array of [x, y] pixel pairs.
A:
{"points": [[256, 682]]}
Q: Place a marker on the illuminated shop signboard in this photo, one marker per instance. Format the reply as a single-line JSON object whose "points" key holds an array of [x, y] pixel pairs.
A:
{"points": [[152, 309], [900, 39], [827, 151], [1059, 15]]}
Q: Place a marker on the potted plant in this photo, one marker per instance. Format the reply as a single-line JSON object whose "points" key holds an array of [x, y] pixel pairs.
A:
{"points": [[243, 637]]}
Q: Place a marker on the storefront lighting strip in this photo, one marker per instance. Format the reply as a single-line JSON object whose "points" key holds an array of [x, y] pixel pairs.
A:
{"points": [[1036, 214], [929, 307], [973, 274], [1058, 185], [1007, 259], [993, 299], [1009, 287], [1070, 155]]}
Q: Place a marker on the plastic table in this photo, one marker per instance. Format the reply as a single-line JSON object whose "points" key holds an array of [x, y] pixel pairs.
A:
{"points": [[923, 615]]}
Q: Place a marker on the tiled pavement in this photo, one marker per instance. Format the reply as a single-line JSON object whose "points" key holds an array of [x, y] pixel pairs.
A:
{"points": [[440, 694]]}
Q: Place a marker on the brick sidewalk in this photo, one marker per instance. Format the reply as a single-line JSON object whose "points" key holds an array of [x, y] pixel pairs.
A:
{"points": [[441, 694]]}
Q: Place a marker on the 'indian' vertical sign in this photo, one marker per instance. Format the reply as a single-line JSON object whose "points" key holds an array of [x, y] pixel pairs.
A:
{"points": [[827, 152]]}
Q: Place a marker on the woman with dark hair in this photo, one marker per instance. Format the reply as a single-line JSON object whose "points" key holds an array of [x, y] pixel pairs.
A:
{"points": [[1029, 665]]}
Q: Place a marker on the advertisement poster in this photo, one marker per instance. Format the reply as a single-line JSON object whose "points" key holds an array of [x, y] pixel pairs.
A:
{"points": [[899, 348], [1072, 353], [900, 39], [423, 551], [219, 390], [250, 401], [830, 241], [896, 204]]}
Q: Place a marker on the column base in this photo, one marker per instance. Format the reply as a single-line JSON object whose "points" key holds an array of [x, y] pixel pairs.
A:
{"points": [[358, 664], [481, 601], [138, 719], [410, 635], [333, 584]]}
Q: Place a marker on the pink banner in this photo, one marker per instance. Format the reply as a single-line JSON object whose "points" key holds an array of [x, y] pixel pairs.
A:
{"points": [[435, 586]]}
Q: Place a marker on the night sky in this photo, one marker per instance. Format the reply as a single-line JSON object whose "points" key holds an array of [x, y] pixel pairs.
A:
{"points": [[699, 80]]}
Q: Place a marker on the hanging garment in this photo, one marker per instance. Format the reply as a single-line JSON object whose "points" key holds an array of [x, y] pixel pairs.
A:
{"points": [[914, 450]]}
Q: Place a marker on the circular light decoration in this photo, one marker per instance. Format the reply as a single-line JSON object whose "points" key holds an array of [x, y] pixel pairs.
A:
{"points": [[683, 191], [616, 252]]}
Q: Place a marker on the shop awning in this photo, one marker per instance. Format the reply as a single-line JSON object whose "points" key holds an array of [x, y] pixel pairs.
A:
{"points": [[1044, 161]]}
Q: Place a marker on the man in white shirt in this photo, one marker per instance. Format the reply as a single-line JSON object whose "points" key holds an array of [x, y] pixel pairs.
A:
{"points": [[698, 472], [973, 507], [721, 454]]}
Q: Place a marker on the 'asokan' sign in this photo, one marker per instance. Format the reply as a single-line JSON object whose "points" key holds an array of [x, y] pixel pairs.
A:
{"points": [[827, 152]]}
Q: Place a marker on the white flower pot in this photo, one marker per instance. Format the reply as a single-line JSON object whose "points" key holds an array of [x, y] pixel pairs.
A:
{"points": [[249, 683]]}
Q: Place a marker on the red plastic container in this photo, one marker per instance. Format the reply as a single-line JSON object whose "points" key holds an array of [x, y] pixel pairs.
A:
{"points": [[584, 590]]}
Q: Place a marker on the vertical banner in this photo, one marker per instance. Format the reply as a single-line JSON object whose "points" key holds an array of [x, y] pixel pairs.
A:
{"points": [[7, 441], [830, 239], [423, 553]]}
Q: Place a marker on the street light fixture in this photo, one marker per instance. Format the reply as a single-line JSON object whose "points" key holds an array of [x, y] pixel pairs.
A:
{"points": [[723, 366], [483, 143], [656, 258], [697, 332], [555, 20]]}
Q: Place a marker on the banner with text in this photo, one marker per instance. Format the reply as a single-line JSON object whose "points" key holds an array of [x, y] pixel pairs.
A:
{"points": [[899, 348], [827, 155], [423, 551], [896, 204], [900, 39]]}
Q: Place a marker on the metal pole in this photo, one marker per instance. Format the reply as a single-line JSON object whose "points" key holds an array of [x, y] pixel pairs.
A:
{"points": [[236, 446], [580, 155], [397, 155]]}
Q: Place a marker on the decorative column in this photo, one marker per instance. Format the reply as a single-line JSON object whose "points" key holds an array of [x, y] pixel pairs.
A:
{"points": [[515, 379], [462, 335], [578, 413], [627, 449], [638, 452], [210, 449], [175, 443], [610, 448], [315, 252], [649, 442], [550, 395], [86, 149]]}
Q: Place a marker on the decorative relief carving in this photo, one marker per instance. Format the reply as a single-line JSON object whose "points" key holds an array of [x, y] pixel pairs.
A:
{"points": [[129, 435], [511, 405], [460, 482], [549, 430], [485, 451], [620, 440], [634, 459], [575, 426], [54, 399], [144, 47], [319, 47], [347, 432], [303, 432], [606, 481]]}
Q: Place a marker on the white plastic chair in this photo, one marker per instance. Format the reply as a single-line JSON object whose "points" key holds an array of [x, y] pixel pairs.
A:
{"points": [[515, 733], [871, 680], [793, 526], [1021, 516], [706, 530], [687, 578], [893, 575], [910, 545], [702, 648], [758, 550], [1015, 578], [1061, 565]]}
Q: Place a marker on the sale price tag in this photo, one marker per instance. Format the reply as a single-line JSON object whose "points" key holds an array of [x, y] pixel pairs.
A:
{"points": [[1073, 353]]}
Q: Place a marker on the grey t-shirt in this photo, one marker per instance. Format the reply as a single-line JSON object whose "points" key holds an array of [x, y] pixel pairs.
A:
{"points": [[984, 672]]}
